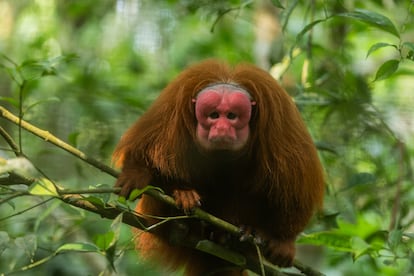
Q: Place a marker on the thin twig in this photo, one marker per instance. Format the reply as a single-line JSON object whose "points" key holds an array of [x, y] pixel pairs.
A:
{"points": [[9, 140], [27, 209]]}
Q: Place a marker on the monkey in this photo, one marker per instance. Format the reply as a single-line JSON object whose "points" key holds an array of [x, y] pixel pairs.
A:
{"points": [[228, 139]]}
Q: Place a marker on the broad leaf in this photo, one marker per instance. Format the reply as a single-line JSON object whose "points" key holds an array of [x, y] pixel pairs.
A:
{"points": [[33, 70], [308, 27], [337, 241], [410, 47], [43, 187], [374, 19], [138, 192], [104, 241], [395, 238], [360, 247], [387, 69], [380, 45], [78, 247]]}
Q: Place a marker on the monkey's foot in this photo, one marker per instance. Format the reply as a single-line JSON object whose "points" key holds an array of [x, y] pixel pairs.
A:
{"points": [[187, 199], [281, 253], [278, 252]]}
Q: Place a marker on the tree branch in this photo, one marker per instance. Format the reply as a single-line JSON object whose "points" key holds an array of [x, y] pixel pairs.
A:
{"points": [[48, 137], [9, 141], [111, 211]]}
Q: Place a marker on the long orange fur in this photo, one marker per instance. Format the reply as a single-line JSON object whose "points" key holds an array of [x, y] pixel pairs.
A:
{"points": [[281, 166]]}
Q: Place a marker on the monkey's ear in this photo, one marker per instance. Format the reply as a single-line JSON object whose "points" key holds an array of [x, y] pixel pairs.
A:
{"points": [[193, 100]]}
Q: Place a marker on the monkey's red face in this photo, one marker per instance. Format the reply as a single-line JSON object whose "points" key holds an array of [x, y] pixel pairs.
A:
{"points": [[223, 113]]}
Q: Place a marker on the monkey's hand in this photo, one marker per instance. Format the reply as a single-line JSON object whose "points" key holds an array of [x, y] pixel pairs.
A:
{"points": [[131, 179], [278, 252], [187, 199]]}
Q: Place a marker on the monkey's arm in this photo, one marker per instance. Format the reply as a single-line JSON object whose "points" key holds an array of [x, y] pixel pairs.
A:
{"points": [[134, 175]]}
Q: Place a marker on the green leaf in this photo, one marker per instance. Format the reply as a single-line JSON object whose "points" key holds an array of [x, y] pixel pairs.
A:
{"points": [[410, 47], [73, 138], [395, 238], [277, 3], [374, 19], [380, 45], [11, 101], [14, 75], [138, 192], [122, 200], [308, 27], [104, 241], [387, 69], [410, 55], [43, 187], [116, 225], [33, 70], [109, 239], [95, 200], [359, 247], [78, 247], [337, 241]]}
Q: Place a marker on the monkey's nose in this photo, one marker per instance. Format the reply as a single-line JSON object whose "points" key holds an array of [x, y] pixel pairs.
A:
{"points": [[222, 134]]}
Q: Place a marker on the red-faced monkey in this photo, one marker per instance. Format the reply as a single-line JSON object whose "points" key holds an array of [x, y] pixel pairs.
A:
{"points": [[231, 141]]}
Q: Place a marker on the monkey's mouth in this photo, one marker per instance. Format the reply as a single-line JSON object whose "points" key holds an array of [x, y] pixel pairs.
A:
{"points": [[221, 149], [223, 143]]}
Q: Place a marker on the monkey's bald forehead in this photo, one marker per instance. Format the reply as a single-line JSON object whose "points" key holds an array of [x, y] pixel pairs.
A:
{"points": [[225, 87]]}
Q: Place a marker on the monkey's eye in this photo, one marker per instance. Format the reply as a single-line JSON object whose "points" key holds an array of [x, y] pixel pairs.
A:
{"points": [[231, 116], [213, 115]]}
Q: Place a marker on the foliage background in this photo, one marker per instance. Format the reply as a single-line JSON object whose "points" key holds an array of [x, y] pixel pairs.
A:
{"points": [[85, 71]]}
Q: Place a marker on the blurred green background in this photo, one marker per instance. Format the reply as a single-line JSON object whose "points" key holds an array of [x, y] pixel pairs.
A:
{"points": [[86, 70]]}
